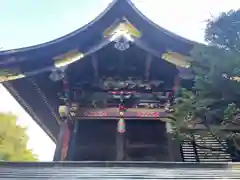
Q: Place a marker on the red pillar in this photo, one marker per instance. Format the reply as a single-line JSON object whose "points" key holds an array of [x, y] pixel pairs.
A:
{"points": [[60, 141]]}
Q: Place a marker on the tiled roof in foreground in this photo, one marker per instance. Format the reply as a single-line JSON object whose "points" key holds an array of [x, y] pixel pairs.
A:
{"points": [[118, 170]]}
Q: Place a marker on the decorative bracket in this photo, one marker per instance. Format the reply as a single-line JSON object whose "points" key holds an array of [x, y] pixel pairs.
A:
{"points": [[122, 33], [57, 74]]}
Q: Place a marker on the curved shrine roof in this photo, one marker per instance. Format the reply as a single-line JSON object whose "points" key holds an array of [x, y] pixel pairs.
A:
{"points": [[115, 11]]}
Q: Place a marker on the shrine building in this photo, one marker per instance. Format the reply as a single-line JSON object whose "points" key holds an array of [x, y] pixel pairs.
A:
{"points": [[104, 92]]}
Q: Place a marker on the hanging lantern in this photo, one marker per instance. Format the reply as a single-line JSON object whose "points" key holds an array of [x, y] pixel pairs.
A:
{"points": [[57, 74], [121, 126], [121, 123], [63, 110]]}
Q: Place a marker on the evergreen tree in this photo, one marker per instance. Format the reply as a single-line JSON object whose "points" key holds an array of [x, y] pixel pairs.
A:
{"points": [[215, 98], [13, 140]]}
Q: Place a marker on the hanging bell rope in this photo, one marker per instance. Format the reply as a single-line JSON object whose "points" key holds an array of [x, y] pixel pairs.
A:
{"points": [[121, 127]]}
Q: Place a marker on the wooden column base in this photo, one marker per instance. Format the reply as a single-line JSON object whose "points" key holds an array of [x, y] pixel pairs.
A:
{"points": [[60, 139], [72, 142], [173, 146]]}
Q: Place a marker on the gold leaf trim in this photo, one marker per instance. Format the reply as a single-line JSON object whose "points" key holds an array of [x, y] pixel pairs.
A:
{"points": [[10, 74], [177, 59], [10, 78], [67, 58], [124, 26], [236, 78]]}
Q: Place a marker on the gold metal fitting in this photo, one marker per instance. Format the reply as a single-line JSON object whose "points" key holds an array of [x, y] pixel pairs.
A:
{"points": [[121, 113]]}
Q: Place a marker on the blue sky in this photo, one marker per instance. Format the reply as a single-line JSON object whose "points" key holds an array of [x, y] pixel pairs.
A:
{"points": [[30, 22]]}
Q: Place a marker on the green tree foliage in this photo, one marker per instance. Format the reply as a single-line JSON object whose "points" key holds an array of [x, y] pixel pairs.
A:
{"points": [[13, 140], [215, 98]]}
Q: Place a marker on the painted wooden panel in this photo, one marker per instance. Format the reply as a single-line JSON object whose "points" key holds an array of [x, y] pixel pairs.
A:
{"points": [[113, 113]]}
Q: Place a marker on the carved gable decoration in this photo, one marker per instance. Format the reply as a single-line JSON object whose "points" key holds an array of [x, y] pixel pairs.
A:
{"points": [[123, 27]]}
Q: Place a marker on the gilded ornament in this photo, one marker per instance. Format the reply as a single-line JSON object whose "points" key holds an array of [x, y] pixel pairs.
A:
{"points": [[67, 58], [177, 59], [125, 27], [8, 75]]}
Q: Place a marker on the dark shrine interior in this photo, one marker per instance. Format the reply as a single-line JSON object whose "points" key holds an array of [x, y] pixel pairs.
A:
{"points": [[121, 65], [116, 70], [144, 140]]}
